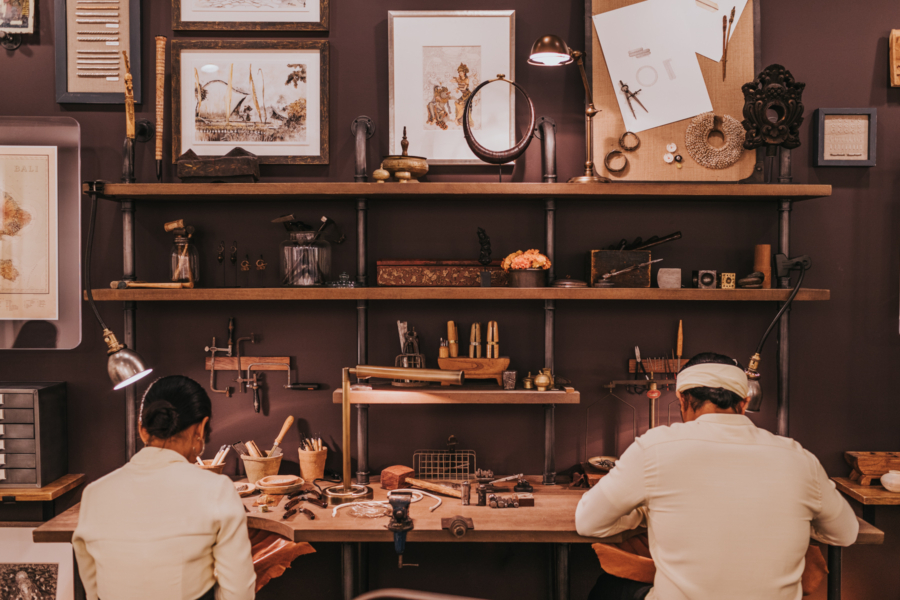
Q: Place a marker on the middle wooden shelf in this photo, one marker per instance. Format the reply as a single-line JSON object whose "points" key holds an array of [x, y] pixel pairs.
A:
{"points": [[468, 393], [454, 293]]}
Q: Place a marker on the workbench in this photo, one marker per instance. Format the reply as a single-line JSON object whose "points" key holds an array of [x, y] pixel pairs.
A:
{"points": [[550, 521]]}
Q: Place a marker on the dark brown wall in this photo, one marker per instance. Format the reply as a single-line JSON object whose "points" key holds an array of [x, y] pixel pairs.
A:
{"points": [[842, 56]]}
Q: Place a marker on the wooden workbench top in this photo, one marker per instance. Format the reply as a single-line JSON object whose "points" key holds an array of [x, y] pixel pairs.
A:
{"points": [[551, 520], [869, 495], [44, 494]]}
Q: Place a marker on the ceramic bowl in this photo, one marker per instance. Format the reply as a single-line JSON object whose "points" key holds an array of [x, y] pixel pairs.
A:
{"points": [[891, 481]]}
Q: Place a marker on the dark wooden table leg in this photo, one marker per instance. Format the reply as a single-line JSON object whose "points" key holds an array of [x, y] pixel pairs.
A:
{"points": [[868, 514], [348, 571], [834, 572], [362, 567], [79, 586], [562, 572]]}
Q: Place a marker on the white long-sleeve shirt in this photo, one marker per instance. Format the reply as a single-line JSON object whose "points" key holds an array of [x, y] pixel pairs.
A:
{"points": [[728, 508], [160, 527]]}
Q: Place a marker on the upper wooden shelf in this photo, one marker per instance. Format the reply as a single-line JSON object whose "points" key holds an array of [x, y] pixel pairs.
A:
{"points": [[868, 495], [47, 493], [468, 393], [727, 192], [453, 293]]}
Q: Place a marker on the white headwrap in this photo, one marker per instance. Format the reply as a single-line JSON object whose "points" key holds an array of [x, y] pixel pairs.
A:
{"points": [[714, 375]]}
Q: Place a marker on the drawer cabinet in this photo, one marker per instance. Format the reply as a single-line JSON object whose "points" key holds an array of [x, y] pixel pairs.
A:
{"points": [[33, 440]]}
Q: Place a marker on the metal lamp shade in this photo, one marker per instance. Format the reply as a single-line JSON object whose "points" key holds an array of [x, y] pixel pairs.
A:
{"points": [[126, 367], [550, 51], [755, 394]]}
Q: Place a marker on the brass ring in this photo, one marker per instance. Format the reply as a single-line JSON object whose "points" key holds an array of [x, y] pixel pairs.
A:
{"points": [[610, 155], [629, 148], [491, 156]]}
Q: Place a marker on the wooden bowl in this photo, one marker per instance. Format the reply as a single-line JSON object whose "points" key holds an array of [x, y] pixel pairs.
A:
{"points": [[244, 488], [280, 484]]}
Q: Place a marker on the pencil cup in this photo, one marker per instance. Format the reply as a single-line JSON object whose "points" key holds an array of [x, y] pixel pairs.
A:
{"points": [[257, 468], [312, 464], [208, 466]]}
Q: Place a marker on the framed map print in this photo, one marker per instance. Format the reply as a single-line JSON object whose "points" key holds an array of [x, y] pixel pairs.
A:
{"points": [[250, 15], [29, 271]]}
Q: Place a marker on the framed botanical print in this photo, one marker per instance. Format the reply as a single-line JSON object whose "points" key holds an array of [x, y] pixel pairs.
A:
{"points": [[253, 15], [846, 137], [17, 16], [268, 97], [90, 38], [437, 59]]}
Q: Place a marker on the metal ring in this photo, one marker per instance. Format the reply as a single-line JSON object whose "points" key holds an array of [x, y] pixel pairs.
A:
{"points": [[491, 156], [629, 148], [610, 155]]}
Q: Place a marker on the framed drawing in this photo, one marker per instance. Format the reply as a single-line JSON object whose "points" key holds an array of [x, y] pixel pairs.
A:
{"points": [[268, 97], [29, 570], [90, 38], [436, 59], [846, 137], [250, 15], [17, 16]]}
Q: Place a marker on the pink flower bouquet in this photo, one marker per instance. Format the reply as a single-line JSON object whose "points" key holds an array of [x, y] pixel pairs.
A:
{"points": [[530, 259]]}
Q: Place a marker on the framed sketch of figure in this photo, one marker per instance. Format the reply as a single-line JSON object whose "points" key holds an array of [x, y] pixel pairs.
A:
{"points": [[437, 59], [252, 15], [268, 97]]}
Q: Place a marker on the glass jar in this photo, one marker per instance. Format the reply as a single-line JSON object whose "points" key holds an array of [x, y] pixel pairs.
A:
{"points": [[305, 261], [184, 262]]}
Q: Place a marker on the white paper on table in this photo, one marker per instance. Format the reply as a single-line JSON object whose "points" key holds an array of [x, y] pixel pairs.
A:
{"points": [[646, 47], [704, 23]]}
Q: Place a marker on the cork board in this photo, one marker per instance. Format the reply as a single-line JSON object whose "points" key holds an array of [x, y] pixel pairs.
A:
{"points": [[646, 163]]}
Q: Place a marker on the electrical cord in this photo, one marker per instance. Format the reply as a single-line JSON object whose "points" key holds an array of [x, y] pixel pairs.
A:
{"points": [[87, 262], [784, 307]]}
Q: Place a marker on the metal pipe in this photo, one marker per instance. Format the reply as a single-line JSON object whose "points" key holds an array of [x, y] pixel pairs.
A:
{"points": [[834, 573], [362, 567], [782, 410], [345, 432], [348, 570], [361, 209], [549, 444], [129, 336], [362, 410], [546, 132], [362, 129], [562, 572], [550, 235], [784, 166]]}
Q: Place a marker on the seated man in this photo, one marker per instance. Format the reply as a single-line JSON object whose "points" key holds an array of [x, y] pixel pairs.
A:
{"points": [[728, 506]]}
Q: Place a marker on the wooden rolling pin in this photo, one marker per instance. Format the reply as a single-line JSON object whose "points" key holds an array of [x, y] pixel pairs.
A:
{"points": [[434, 487]]}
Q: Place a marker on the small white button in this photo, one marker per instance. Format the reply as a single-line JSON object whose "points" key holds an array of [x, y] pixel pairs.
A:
{"points": [[669, 158], [671, 147]]}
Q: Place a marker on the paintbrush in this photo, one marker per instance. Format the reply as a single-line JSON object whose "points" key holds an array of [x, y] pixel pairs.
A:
{"points": [[241, 449], [726, 41], [220, 457]]}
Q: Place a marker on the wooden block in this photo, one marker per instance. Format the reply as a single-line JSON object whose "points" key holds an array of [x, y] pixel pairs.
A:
{"points": [[438, 273], [868, 467], [434, 487], [229, 363], [477, 368], [894, 62], [394, 478], [606, 261]]}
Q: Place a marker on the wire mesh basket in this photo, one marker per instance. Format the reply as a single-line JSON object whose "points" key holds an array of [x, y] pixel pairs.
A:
{"points": [[444, 465]]}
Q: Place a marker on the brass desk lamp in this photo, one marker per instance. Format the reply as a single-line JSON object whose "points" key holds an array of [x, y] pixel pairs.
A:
{"points": [[552, 51], [347, 491]]}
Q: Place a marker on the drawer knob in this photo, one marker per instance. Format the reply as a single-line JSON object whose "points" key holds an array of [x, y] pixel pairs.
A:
{"points": [[2, 460], [2, 474]]}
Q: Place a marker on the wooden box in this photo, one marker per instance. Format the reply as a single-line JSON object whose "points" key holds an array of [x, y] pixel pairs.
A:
{"points": [[438, 273], [605, 261], [33, 443]]}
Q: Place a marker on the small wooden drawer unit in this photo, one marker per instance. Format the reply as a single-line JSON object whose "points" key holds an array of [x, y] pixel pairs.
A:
{"points": [[33, 440]]}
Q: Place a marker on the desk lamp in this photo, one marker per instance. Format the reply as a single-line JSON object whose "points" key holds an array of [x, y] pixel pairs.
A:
{"points": [[783, 268], [347, 491], [552, 51]]}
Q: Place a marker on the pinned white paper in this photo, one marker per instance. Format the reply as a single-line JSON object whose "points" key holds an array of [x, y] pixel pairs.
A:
{"points": [[646, 48], [704, 23]]}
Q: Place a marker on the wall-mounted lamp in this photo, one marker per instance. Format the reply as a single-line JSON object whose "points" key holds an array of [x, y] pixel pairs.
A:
{"points": [[783, 268], [347, 491], [552, 51]]}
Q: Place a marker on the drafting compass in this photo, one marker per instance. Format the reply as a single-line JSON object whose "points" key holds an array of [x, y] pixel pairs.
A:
{"points": [[629, 95]]}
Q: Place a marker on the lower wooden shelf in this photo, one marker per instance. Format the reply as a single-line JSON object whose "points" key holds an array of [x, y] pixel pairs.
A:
{"points": [[453, 293], [868, 495], [47, 493], [469, 393]]}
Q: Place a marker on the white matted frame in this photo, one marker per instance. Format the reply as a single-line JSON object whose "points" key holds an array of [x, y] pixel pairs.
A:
{"points": [[421, 45]]}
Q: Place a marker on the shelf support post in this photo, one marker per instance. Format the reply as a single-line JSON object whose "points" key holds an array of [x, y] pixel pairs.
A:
{"points": [[834, 573], [362, 343], [129, 337], [782, 410], [549, 346]]}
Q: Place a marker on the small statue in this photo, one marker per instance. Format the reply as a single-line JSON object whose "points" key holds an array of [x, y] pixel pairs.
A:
{"points": [[485, 257]]}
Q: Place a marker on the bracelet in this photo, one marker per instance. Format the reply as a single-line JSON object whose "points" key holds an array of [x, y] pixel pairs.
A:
{"points": [[611, 154], [630, 148]]}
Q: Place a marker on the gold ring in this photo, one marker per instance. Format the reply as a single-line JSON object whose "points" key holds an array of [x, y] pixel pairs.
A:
{"points": [[610, 155]]}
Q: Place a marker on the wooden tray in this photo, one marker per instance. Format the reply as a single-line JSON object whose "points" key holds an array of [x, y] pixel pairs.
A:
{"points": [[646, 163], [477, 368]]}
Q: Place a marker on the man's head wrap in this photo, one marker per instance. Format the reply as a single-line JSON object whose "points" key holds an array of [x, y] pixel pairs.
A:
{"points": [[713, 375]]}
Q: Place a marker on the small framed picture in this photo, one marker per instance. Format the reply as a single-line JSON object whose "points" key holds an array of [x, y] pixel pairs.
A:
{"points": [[436, 60], [16, 16], [846, 137], [90, 39], [250, 15], [269, 97]]}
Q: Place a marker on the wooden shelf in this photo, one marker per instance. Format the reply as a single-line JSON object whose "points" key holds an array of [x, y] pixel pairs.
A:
{"points": [[454, 293], [45, 494], [469, 393], [727, 192], [868, 495]]}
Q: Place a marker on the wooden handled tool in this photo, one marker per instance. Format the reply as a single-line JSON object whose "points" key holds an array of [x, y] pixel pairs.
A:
{"points": [[276, 448], [127, 285], [493, 340], [160, 100], [129, 98], [434, 487], [453, 339], [254, 449], [680, 345], [475, 341]]}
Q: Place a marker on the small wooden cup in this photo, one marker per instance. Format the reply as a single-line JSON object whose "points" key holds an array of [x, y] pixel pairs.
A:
{"points": [[257, 468], [312, 464], [208, 466]]}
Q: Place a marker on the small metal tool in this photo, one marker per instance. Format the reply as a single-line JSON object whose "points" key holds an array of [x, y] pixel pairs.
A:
{"points": [[400, 524], [629, 95], [629, 269]]}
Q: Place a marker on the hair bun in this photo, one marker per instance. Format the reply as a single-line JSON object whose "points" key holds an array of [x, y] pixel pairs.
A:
{"points": [[160, 419]]}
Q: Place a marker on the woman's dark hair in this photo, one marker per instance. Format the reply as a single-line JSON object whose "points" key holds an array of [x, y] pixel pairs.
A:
{"points": [[721, 397], [172, 404]]}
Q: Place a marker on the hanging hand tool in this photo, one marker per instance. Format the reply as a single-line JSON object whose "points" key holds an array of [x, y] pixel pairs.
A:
{"points": [[213, 349], [629, 95], [679, 345], [276, 448]]}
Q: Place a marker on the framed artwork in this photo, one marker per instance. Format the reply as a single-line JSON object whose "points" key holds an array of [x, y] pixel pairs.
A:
{"points": [[29, 269], [268, 97], [90, 38], [29, 570], [436, 60], [846, 137], [253, 15], [17, 16]]}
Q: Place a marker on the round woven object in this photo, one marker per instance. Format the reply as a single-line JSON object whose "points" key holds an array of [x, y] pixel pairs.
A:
{"points": [[697, 141]]}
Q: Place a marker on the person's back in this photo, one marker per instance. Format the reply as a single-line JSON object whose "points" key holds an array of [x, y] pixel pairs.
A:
{"points": [[728, 508]]}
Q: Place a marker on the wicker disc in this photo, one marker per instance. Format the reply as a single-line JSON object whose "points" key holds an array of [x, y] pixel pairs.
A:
{"points": [[697, 141]]}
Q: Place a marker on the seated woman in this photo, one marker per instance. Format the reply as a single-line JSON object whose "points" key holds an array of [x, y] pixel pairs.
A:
{"points": [[160, 527]]}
